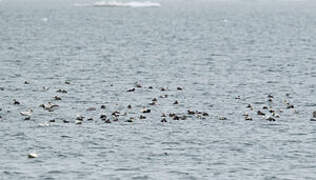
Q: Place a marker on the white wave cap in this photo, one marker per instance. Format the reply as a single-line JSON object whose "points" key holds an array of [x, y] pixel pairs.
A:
{"points": [[127, 4]]}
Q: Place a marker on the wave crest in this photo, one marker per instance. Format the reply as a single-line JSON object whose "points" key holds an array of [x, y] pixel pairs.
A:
{"points": [[127, 4]]}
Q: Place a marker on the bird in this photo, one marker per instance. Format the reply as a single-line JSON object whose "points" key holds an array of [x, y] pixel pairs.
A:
{"points": [[49, 106], [261, 113], [15, 102], [131, 90], [32, 155], [57, 98], [27, 113], [145, 110], [62, 91]]}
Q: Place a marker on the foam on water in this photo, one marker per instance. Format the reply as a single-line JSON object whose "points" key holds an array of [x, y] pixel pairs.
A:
{"points": [[127, 4]]}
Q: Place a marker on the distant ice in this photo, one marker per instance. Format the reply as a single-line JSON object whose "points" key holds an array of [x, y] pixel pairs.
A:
{"points": [[120, 4]]}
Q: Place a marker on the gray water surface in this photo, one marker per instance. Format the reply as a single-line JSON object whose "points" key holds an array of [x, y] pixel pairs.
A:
{"points": [[216, 51]]}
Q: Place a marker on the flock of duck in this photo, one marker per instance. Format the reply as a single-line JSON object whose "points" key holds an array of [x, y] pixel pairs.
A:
{"points": [[116, 115], [267, 112]]}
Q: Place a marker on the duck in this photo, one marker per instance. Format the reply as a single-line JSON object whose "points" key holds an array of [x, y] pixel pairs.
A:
{"points": [[131, 90], [152, 103], [163, 89], [78, 122], [142, 117], [179, 88], [145, 110], [49, 106], [163, 120], [103, 116], [15, 102], [103, 107], [57, 98], [62, 91], [27, 113], [205, 114], [80, 117], [116, 114], [131, 119], [138, 85], [176, 102], [247, 118], [261, 113], [32, 155], [290, 106], [270, 118], [222, 118]]}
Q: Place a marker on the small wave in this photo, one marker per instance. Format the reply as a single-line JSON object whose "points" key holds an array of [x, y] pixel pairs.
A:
{"points": [[127, 4]]}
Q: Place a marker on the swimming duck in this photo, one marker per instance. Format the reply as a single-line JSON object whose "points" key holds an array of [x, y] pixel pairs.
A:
{"points": [[131, 90], [261, 113], [62, 91], [205, 114], [32, 155], [179, 88], [103, 116], [57, 98], [49, 106], [102, 107], [152, 103], [142, 117], [116, 114], [138, 85], [27, 113], [131, 119], [290, 106], [222, 118], [247, 118], [15, 102], [270, 118], [78, 122], [80, 117], [176, 102], [145, 110], [163, 120]]}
